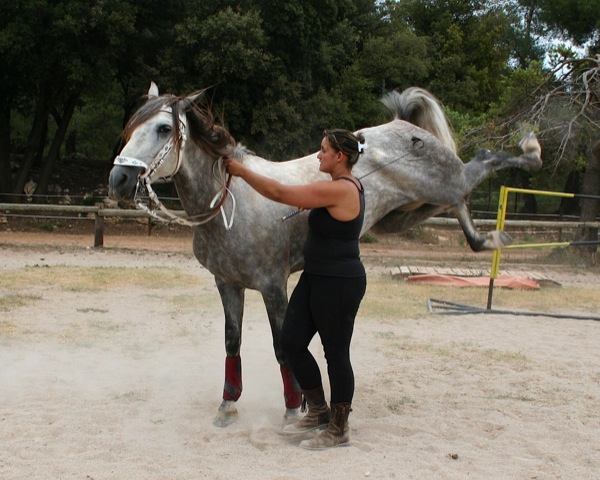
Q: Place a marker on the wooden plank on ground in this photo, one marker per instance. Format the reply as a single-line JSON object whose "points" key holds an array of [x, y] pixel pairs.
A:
{"points": [[408, 270]]}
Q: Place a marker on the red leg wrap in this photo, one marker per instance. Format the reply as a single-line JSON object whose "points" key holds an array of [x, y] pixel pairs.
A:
{"points": [[233, 378], [291, 389]]}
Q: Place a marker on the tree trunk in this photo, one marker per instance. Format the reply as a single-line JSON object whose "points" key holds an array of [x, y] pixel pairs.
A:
{"points": [[570, 206], [54, 152], [589, 206], [33, 142], [5, 173], [529, 200]]}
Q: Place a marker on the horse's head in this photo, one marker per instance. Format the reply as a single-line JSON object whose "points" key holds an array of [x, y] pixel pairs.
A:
{"points": [[155, 139], [155, 136]]}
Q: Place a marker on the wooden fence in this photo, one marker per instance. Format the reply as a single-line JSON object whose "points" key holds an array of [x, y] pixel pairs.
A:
{"points": [[98, 214]]}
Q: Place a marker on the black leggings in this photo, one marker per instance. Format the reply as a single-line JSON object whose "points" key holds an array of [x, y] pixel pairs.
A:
{"points": [[327, 305]]}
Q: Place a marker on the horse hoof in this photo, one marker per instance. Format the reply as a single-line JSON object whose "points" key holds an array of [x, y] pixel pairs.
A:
{"points": [[497, 239], [227, 414], [505, 238], [225, 419]]}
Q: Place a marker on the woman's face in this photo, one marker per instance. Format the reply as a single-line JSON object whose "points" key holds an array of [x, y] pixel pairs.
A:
{"points": [[328, 156]]}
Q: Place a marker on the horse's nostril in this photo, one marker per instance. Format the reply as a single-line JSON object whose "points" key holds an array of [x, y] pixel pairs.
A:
{"points": [[121, 183], [119, 179]]}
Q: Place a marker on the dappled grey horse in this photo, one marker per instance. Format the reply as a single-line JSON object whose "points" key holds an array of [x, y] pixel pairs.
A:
{"points": [[241, 237]]}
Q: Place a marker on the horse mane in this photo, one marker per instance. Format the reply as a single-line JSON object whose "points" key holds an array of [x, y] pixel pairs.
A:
{"points": [[241, 151], [421, 108], [206, 133], [214, 139]]}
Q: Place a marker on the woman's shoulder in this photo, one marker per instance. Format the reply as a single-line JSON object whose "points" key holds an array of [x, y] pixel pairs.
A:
{"points": [[353, 180]]}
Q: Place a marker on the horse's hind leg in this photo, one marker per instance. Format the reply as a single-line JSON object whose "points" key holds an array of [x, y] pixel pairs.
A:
{"points": [[487, 162], [275, 298], [478, 241], [232, 298]]}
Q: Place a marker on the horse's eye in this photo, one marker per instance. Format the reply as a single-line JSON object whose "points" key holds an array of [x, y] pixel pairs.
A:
{"points": [[164, 129]]}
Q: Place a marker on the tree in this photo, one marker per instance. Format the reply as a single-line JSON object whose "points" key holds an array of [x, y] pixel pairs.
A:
{"points": [[18, 27], [393, 55], [467, 47], [564, 108], [56, 51], [525, 33], [576, 20], [579, 22], [270, 60], [277, 72]]}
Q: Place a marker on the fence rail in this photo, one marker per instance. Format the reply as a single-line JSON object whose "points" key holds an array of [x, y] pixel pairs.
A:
{"points": [[98, 214]]}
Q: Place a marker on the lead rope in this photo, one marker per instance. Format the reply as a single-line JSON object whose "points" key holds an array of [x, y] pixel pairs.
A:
{"points": [[216, 204], [414, 140], [145, 182]]}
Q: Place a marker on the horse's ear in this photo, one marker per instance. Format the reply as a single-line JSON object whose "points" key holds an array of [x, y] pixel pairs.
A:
{"points": [[187, 102], [153, 90]]}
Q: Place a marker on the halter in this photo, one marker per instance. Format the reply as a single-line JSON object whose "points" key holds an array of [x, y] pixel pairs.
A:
{"points": [[145, 182]]}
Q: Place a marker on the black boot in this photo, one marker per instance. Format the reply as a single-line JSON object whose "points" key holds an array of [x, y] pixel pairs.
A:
{"points": [[337, 432], [317, 416]]}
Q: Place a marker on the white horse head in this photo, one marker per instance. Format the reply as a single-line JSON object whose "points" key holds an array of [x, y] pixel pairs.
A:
{"points": [[154, 146]]}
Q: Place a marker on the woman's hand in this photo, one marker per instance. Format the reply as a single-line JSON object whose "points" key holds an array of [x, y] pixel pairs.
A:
{"points": [[233, 167]]}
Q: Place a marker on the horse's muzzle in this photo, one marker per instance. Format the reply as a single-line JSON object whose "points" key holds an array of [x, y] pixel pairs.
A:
{"points": [[122, 182]]}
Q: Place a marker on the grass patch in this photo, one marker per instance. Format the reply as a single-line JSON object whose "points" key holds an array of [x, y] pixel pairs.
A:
{"points": [[396, 405], [8, 302], [92, 279], [187, 302], [510, 396], [369, 237], [465, 353], [394, 300]]}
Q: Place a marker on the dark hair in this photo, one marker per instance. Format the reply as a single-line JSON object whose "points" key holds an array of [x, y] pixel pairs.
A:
{"points": [[346, 142]]}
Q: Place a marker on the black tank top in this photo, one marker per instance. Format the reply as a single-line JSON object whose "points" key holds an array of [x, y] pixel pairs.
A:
{"points": [[332, 246]]}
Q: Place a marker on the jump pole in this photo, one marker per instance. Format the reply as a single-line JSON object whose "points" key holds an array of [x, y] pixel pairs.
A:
{"points": [[500, 221], [456, 308]]}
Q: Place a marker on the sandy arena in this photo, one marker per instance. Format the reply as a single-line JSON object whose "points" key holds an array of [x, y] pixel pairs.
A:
{"points": [[123, 382]]}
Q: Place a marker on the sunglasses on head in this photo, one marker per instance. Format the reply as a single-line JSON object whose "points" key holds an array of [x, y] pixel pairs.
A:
{"points": [[331, 137]]}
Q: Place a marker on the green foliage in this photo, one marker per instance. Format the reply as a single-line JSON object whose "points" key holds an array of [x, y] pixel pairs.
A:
{"points": [[397, 60], [467, 47], [369, 237], [96, 125], [518, 85], [463, 125], [279, 72], [578, 20]]}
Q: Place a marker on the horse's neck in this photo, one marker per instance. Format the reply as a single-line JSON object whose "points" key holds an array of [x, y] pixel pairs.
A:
{"points": [[196, 184]]}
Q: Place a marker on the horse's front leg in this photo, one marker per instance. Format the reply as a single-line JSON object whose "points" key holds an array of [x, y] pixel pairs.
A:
{"points": [[275, 298], [232, 298]]}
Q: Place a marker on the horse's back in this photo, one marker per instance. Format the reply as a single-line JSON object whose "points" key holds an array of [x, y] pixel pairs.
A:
{"points": [[407, 167], [401, 151]]}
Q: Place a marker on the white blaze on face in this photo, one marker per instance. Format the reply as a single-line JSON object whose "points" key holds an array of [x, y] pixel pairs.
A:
{"points": [[148, 141]]}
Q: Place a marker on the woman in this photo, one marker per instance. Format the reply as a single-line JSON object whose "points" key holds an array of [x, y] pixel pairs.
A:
{"points": [[331, 287]]}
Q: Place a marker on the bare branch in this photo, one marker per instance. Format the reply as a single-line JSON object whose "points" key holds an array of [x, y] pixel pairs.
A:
{"points": [[567, 104]]}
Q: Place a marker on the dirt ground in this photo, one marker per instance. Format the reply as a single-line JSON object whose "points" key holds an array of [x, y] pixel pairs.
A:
{"points": [[123, 381]]}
